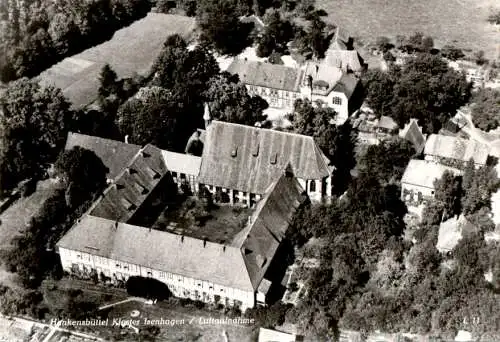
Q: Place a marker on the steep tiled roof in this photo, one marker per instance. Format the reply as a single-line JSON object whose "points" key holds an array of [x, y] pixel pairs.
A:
{"points": [[346, 85], [182, 163], [321, 72], [132, 186], [456, 148], [344, 59], [163, 251], [424, 173], [413, 133], [266, 75], [269, 223], [114, 154], [387, 122], [241, 264], [249, 159]]}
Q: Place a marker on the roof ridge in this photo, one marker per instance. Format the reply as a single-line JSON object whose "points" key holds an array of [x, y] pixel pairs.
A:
{"points": [[261, 129]]}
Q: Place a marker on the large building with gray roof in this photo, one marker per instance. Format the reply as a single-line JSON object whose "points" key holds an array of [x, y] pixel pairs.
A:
{"points": [[266, 170], [324, 83]]}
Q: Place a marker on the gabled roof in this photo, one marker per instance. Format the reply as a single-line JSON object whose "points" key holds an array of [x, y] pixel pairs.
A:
{"points": [[249, 159], [344, 59], [387, 122], [321, 72], [241, 265], [451, 232], [266, 74], [412, 132], [261, 238], [114, 154], [456, 148], [346, 85], [162, 251], [132, 186], [423, 173], [182, 163], [268, 335]]}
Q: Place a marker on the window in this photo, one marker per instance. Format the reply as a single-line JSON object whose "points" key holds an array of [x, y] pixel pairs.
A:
{"points": [[162, 274], [274, 158], [183, 176], [312, 186], [117, 265], [150, 274], [337, 100], [234, 152], [174, 174]]}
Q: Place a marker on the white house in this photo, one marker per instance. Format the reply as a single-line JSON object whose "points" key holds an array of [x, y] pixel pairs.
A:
{"points": [[281, 86], [417, 183], [454, 151]]}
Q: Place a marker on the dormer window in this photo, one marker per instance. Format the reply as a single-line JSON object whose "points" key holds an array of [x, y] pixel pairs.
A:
{"points": [[255, 152], [131, 171], [141, 189], [274, 158], [127, 204], [152, 173], [234, 152]]}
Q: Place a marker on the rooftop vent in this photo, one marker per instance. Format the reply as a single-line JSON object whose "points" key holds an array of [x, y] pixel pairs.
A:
{"points": [[234, 152], [274, 158], [255, 152], [145, 154], [127, 204], [152, 173]]}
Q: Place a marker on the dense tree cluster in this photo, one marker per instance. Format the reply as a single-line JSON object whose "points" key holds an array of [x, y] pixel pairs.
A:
{"points": [[313, 41], [221, 28], [336, 142], [34, 122], [485, 109], [33, 256], [229, 101], [387, 160], [425, 88], [277, 34], [40, 33]]}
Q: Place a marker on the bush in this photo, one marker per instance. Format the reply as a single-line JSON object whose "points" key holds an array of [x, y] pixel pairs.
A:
{"points": [[147, 288]]}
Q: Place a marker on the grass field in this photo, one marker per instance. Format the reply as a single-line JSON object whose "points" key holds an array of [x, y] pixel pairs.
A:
{"points": [[131, 50], [458, 22]]}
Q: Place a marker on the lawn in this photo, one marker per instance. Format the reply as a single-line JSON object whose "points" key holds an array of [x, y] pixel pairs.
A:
{"points": [[17, 216], [132, 50], [459, 22], [222, 224], [186, 324]]}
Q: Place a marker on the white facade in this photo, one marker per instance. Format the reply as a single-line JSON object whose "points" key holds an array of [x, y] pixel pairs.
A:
{"points": [[180, 286], [285, 100]]}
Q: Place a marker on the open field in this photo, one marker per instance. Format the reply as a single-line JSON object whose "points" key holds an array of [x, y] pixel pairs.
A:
{"points": [[132, 49], [458, 22]]}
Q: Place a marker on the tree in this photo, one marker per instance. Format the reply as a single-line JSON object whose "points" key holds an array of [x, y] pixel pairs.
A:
{"points": [[383, 44], [448, 192], [485, 109], [451, 52], [480, 59], [314, 41], [35, 122], [221, 27], [108, 82], [83, 173], [277, 34], [64, 33], [336, 142], [425, 88], [180, 69], [159, 117], [494, 18], [477, 188], [387, 160], [229, 101]]}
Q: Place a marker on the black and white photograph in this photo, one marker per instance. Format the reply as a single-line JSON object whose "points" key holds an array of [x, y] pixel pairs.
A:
{"points": [[250, 170]]}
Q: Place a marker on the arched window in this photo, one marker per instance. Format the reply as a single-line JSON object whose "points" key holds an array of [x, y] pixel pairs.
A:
{"points": [[312, 186]]}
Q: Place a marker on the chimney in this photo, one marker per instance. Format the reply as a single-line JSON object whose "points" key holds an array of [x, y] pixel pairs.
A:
{"points": [[224, 248], [182, 238], [116, 225], [204, 242], [207, 116], [126, 139]]}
